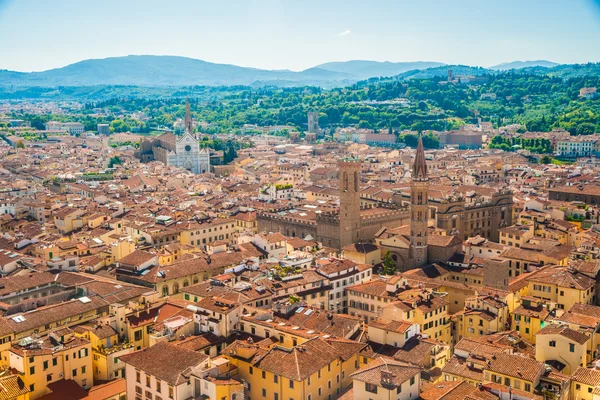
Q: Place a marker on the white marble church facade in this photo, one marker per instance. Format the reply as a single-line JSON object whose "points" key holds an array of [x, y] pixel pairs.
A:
{"points": [[188, 154]]}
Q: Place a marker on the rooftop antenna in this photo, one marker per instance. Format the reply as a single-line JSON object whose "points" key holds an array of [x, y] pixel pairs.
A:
{"points": [[385, 363]]}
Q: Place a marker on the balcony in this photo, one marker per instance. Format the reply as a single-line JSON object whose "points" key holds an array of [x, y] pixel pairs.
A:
{"points": [[114, 349], [165, 334]]}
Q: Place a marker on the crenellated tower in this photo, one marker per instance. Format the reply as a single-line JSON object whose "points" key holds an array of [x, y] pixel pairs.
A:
{"points": [[349, 180], [419, 208]]}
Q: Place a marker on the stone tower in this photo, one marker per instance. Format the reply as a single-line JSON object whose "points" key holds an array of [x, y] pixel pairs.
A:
{"points": [[419, 209], [313, 122], [349, 175], [189, 125]]}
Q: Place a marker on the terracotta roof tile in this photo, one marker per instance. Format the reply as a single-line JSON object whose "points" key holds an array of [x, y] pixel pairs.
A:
{"points": [[157, 360]]}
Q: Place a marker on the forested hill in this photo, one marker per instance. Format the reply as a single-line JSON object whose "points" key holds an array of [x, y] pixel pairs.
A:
{"points": [[539, 102]]}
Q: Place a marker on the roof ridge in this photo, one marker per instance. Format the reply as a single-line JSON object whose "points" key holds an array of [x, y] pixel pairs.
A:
{"points": [[297, 363]]}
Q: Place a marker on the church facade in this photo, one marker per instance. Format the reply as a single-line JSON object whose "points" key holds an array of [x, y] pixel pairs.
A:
{"points": [[177, 151]]}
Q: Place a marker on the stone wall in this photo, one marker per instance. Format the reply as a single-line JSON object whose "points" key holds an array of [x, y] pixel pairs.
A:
{"points": [[495, 273], [441, 254], [287, 226]]}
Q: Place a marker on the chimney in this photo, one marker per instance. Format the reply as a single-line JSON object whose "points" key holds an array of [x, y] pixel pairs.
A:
{"points": [[387, 378]]}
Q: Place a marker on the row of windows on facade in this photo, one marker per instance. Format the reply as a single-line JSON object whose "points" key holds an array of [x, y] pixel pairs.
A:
{"points": [[552, 343], [465, 279], [165, 239], [276, 395], [507, 382], [165, 289], [442, 321], [82, 354], [158, 386], [210, 239], [372, 388], [291, 383], [210, 229], [73, 373], [548, 289]]}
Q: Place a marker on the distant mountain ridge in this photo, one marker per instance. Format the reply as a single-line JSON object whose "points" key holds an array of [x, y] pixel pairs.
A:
{"points": [[363, 69], [523, 64], [162, 71], [183, 71], [174, 71]]}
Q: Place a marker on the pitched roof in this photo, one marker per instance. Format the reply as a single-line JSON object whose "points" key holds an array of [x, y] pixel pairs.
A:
{"points": [[52, 313], [562, 277], [399, 372], [391, 326], [64, 388], [458, 366], [302, 361], [451, 390], [587, 376], [564, 331], [157, 360], [107, 390], [582, 314], [11, 387], [515, 365], [364, 248]]}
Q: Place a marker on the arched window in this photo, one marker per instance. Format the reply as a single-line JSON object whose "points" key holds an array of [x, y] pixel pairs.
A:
{"points": [[175, 288], [195, 280], [186, 283], [165, 290], [356, 186], [345, 181]]}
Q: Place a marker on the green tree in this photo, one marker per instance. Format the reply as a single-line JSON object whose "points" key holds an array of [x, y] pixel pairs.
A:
{"points": [[389, 266], [364, 124], [114, 161], [293, 299], [20, 144], [118, 125], [585, 128], [545, 160]]}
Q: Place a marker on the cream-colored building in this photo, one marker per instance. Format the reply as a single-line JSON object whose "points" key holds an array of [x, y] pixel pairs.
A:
{"points": [[60, 356], [385, 380], [585, 384], [563, 344], [201, 233]]}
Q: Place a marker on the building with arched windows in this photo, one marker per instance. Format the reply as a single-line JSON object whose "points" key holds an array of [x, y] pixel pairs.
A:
{"points": [[349, 224], [178, 151], [404, 227]]}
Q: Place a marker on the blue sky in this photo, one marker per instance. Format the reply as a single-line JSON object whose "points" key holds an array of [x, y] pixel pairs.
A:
{"points": [[297, 34]]}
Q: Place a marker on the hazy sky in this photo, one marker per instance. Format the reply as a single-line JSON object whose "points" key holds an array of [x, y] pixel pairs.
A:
{"points": [[297, 34]]}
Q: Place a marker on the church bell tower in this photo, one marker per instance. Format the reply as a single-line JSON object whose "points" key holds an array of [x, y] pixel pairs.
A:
{"points": [[419, 208], [189, 125]]}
